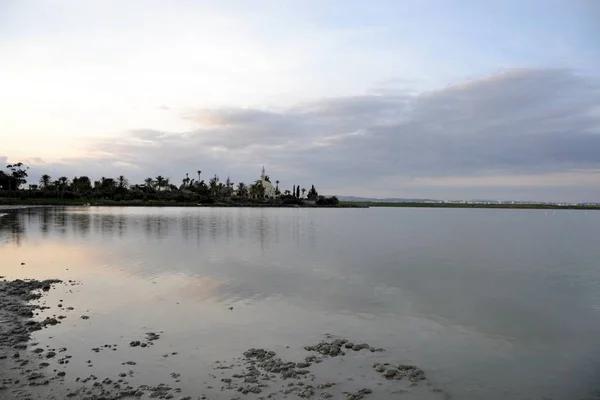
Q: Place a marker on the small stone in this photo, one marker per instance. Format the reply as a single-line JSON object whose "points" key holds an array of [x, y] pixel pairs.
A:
{"points": [[379, 368], [85, 317]]}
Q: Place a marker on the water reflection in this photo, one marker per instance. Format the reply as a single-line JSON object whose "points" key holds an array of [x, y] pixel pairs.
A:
{"points": [[489, 280]]}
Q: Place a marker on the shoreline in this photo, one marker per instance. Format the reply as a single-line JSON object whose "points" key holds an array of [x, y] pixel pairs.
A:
{"points": [[16, 205], [109, 203]]}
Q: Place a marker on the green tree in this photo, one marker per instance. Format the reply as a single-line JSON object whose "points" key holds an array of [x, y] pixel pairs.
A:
{"points": [[277, 192], [62, 185], [160, 182], [122, 182], [45, 181], [313, 195], [81, 184], [298, 191], [18, 175], [213, 184], [149, 182], [303, 191], [242, 189], [257, 190]]}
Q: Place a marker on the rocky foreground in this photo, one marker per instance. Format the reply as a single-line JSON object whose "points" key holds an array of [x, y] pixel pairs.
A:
{"points": [[30, 371]]}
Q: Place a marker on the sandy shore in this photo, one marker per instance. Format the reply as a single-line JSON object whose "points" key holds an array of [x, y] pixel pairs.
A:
{"points": [[30, 370]]}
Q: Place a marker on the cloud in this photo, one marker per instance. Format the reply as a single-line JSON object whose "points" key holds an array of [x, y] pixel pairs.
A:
{"points": [[519, 124]]}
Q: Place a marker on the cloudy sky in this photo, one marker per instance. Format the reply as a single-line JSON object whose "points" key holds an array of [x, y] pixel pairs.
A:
{"points": [[404, 98]]}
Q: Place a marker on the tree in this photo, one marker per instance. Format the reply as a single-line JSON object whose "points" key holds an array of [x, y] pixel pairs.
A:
{"points": [[303, 191], [45, 181], [18, 175], [294, 191], [149, 182], [277, 188], [228, 182], [62, 184], [185, 182], [242, 190], [257, 190], [122, 183], [160, 182], [213, 184], [298, 191], [81, 184], [312, 194]]}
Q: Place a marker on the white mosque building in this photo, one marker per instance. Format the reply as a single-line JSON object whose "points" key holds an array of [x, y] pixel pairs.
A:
{"points": [[267, 185]]}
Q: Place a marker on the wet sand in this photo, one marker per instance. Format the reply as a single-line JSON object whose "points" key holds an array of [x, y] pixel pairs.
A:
{"points": [[333, 368]]}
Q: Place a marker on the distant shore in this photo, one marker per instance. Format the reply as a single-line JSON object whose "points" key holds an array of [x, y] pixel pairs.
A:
{"points": [[517, 206], [342, 204]]}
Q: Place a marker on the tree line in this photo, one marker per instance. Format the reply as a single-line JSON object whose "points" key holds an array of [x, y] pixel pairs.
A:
{"points": [[13, 184]]}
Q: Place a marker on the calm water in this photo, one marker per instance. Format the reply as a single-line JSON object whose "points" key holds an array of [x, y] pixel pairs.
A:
{"points": [[492, 304]]}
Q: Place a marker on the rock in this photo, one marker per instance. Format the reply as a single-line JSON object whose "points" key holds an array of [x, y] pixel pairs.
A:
{"points": [[403, 367], [85, 317], [379, 367], [151, 336], [135, 343], [417, 375], [61, 373], [38, 350], [390, 373], [349, 345]]}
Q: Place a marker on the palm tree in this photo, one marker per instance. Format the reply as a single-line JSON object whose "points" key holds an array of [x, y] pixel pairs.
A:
{"points": [[303, 191], [166, 183], [277, 187], [149, 184], [242, 189], [63, 182], [45, 181], [199, 172], [257, 190], [160, 182]]}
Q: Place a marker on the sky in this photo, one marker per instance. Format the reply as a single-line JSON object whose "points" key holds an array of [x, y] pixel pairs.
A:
{"points": [[460, 99]]}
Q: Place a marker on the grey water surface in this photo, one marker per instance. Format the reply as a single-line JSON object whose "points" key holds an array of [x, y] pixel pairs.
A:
{"points": [[492, 304]]}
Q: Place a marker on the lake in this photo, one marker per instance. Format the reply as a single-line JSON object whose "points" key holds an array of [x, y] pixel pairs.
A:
{"points": [[491, 304]]}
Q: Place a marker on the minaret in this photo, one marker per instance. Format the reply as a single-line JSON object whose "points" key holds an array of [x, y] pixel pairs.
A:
{"points": [[262, 175]]}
